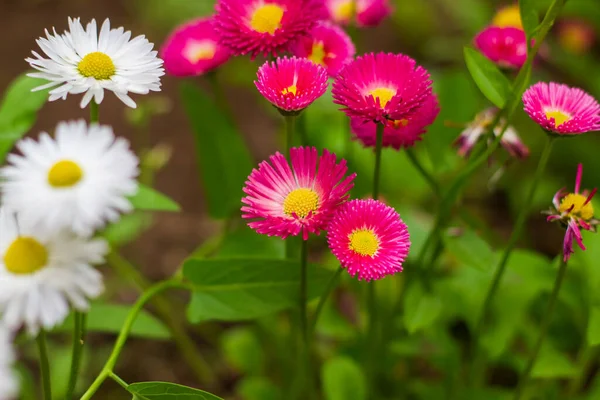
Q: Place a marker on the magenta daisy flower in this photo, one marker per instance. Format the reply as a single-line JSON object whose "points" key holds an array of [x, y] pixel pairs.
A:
{"points": [[193, 49], [378, 87], [369, 239], [575, 212], [366, 12], [283, 200], [398, 133], [562, 109], [265, 26], [328, 45], [506, 46], [291, 84]]}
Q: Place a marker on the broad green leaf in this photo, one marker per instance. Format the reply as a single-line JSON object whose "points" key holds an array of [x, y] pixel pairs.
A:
{"points": [[128, 228], [244, 242], [470, 249], [343, 380], [149, 199], [243, 350], [240, 289], [529, 16], [553, 364], [258, 388], [167, 391], [109, 318], [490, 80], [18, 111], [593, 329], [222, 155], [421, 308]]}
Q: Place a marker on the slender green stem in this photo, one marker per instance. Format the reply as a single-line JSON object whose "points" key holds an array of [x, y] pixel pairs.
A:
{"points": [[562, 269], [585, 361], [79, 332], [218, 92], [290, 129], [94, 112], [44, 365], [410, 152], [377, 169], [118, 379], [125, 329], [303, 388], [303, 292], [330, 286]]}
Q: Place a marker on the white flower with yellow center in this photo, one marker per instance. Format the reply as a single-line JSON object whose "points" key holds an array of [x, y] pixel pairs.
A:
{"points": [[42, 273], [9, 383], [83, 61], [77, 181]]}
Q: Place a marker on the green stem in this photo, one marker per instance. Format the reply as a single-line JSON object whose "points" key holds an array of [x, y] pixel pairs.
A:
{"points": [[304, 340], [107, 370], [79, 332], [218, 93], [562, 269], [377, 169], [323, 299], [290, 128], [410, 152], [118, 379], [94, 112], [44, 365], [585, 360]]}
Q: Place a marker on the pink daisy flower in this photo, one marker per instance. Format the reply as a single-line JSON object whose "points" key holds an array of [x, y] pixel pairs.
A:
{"points": [[193, 49], [369, 239], [575, 212], [506, 46], [378, 87], [366, 12], [328, 45], [398, 133], [265, 26], [291, 84], [283, 200], [562, 109]]}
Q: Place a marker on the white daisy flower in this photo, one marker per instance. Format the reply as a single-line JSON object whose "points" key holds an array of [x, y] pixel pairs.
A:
{"points": [[9, 383], [78, 181], [41, 273], [81, 61]]}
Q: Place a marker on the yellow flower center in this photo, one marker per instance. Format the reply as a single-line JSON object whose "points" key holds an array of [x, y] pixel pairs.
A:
{"points": [[317, 54], [344, 11], [64, 173], [559, 117], [398, 123], [383, 94], [574, 38], [576, 203], [290, 89], [197, 51], [364, 242], [25, 256], [301, 202], [267, 18], [97, 65], [508, 16]]}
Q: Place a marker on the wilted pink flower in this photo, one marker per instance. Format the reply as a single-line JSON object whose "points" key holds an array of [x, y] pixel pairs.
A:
{"points": [[265, 26], [562, 109], [369, 239], [380, 87], [193, 49], [575, 212], [398, 133], [283, 201], [328, 45], [507, 47], [366, 12], [291, 84]]}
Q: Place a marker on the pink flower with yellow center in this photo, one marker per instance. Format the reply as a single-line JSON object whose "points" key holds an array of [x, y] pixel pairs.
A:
{"points": [[575, 212], [193, 49], [562, 109], [265, 26], [369, 239], [328, 45], [398, 133], [506, 47], [509, 16], [291, 84], [366, 12], [283, 200], [381, 87]]}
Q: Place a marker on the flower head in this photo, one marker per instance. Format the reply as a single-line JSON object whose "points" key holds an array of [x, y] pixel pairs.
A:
{"points": [[193, 49], [507, 46], [366, 12], [328, 45], [369, 239], [480, 125], [83, 61], [265, 26], [76, 181], [9, 382], [291, 84], [378, 87], [41, 273], [562, 109], [283, 200], [398, 133], [508, 16], [575, 212]]}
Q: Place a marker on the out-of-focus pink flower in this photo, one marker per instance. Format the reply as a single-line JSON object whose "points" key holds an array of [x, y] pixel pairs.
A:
{"points": [[366, 12], [507, 47]]}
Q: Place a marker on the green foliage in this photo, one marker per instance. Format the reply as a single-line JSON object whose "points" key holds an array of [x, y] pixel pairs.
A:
{"points": [[421, 309], [258, 388], [243, 350], [529, 16], [149, 199], [470, 249], [167, 391], [343, 380], [244, 242], [127, 229], [490, 80], [553, 364]]}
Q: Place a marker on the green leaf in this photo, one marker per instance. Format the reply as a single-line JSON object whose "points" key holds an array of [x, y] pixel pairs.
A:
{"points": [[243, 350], [244, 242], [529, 16], [167, 391], [593, 329], [223, 158], [470, 249], [18, 111], [422, 309], [343, 380], [240, 289], [127, 229], [149, 199], [258, 388], [490, 80], [109, 318], [553, 364]]}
